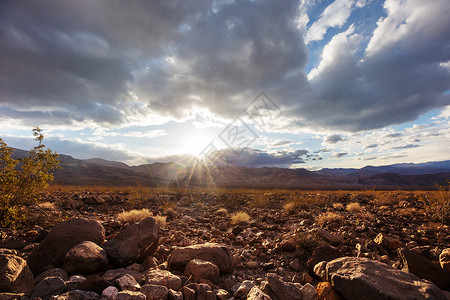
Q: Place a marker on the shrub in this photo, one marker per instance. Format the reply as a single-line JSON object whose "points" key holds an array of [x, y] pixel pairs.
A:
{"points": [[437, 205], [329, 218], [240, 217], [134, 215], [222, 212], [353, 207], [338, 206], [160, 220], [308, 240], [290, 207], [170, 213], [21, 179]]}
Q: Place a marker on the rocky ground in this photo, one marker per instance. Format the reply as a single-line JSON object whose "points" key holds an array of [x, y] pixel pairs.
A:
{"points": [[295, 245]]}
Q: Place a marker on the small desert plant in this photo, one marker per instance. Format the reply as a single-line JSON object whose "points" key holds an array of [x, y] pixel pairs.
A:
{"points": [[338, 206], [48, 205], [240, 217], [329, 218], [134, 215], [22, 179], [290, 207], [437, 205], [353, 207], [222, 211], [161, 220], [308, 240], [170, 212]]}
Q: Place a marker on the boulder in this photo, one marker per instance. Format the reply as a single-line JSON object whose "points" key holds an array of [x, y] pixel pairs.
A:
{"points": [[322, 253], [444, 259], [218, 254], [423, 268], [278, 289], [155, 292], [134, 243], [163, 277], [94, 283], [363, 278], [85, 258], [200, 269], [256, 294], [15, 275], [64, 236], [49, 287], [73, 283]]}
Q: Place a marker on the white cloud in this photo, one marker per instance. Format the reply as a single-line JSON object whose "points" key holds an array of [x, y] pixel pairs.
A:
{"points": [[335, 15]]}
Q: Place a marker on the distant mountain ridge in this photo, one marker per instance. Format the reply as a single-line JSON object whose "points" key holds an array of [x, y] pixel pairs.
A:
{"points": [[98, 171]]}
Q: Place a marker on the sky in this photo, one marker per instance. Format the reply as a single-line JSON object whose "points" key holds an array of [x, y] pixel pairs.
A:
{"points": [[294, 83]]}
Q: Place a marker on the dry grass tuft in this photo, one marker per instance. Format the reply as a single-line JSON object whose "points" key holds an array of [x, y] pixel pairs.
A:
{"points": [[240, 217], [222, 212], [170, 213], [338, 206], [160, 220], [308, 240], [134, 215], [353, 207], [329, 218], [47, 205], [290, 207]]}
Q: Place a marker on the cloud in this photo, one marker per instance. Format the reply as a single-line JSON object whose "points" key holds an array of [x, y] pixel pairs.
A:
{"points": [[339, 154], [247, 157], [63, 64], [408, 146], [333, 139], [335, 15], [371, 146], [394, 135], [279, 143]]}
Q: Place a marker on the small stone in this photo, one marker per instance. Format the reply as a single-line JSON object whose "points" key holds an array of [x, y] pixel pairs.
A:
{"points": [[127, 282], [73, 283], [130, 295], [174, 295], [110, 293], [387, 242], [309, 292], [295, 265], [49, 287], [321, 271], [244, 289], [154, 292], [163, 277], [200, 269], [325, 291], [222, 294], [444, 259], [306, 278], [252, 265], [12, 296], [256, 294]]}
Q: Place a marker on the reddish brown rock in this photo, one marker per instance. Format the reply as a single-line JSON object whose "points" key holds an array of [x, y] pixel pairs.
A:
{"points": [[200, 269], [15, 276], [85, 258], [322, 253], [215, 253], [134, 243], [64, 236]]}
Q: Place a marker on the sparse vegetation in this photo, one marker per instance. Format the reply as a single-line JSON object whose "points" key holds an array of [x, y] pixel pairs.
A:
{"points": [[160, 220], [240, 217], [353, 207], [22, 179], [338, 206], [437, 205], [308, 240], [290, 207], [222, 211], [134, 215], [329, 219]]}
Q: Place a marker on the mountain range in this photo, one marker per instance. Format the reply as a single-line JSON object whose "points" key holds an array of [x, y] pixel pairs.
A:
{"points": [[101, 172]]}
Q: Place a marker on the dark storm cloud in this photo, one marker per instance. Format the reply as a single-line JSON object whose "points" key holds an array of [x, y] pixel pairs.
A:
{"points": [[333, 139], [92, 60], [247, 157]]}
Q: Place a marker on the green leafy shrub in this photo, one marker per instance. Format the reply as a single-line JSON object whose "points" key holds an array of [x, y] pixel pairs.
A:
{"points": [[21, 179]]}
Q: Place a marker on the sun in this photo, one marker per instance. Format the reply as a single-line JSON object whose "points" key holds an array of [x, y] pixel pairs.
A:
{"points": [[195, 144]]}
